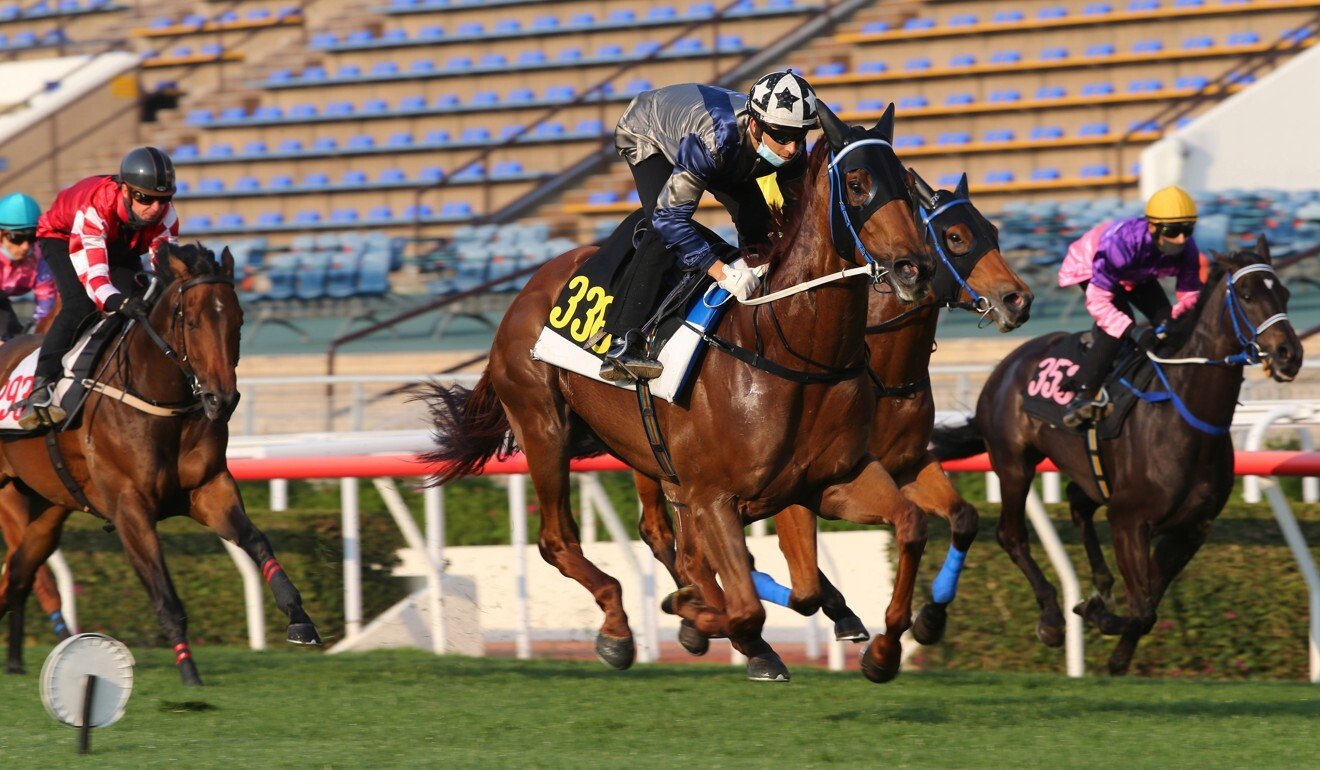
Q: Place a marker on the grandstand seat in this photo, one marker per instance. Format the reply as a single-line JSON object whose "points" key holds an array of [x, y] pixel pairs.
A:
{"points": [[1242, 38], [254, 148], [353, 177], [344, 215], [1093, 129], [1143, 5], [549, 129], [645, 48], [280, 76], [280, 182], [412, 104], [421, 66], [269, 112], [233, 113], [582, 20], [1006, 17], [325, 144], [916, 65], [384, 69], [1096, 170], [560, 93], [872, 67], [302, 112], [1241, 78], [1196, 82], [953, 138], [998, 135], [590, 127], [609, 51], [1148, 46], [401, 139], [991, 177], [507, 27], [1098, 50], [247, 184], [314, 72], [1143, 126], [961, 20], [913, 102], [957, 100], [689, 45], [1143, 85], [456, 209], [485, 99], [1197, 42], [507, 168], [445, 101], [1046, 132], [1097, 89], [199, 117], [229, 221], [1188, 3], [1053, 54], [569, 54], [545, 23], [360, 142], [470, 172], [620, 16], [458, 63], [520, 96], [875, 27], [918, 23], [470, 29], [1098, 9], [437, 136], [182, 186], [957, 60], [602, 197], [307, 217], [1046, 174], [220, 150], [430, 174], [475, 134], [492, 60], [508, 131], [269, 219], [1005, 95], [729, 43], [199, 222], [637, 86], [324, 40], [184, 152], [829, 69], [258, 14], [391, 176], [1053, 12], [904, 142], [380, 214], [871, 105], [315, 179], [374, 107], [1005, 57], [662, 13], [348, 72]]}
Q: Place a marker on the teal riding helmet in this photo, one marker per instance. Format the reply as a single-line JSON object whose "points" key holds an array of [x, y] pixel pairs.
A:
{"points": [[19, 212]]}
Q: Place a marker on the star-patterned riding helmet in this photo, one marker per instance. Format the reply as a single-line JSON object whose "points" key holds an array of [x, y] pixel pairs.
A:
{"points": [[783, 99]]}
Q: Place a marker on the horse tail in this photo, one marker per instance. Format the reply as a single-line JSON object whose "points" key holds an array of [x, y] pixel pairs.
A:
{"points": [[470, 428], [954, 442]]}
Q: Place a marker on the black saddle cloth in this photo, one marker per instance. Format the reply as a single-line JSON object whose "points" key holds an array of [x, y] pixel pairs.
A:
{"points": [[1049, 392]]}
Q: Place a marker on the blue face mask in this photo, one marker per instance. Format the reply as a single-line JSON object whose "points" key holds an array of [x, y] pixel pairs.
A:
{"points": [[769, 156]]}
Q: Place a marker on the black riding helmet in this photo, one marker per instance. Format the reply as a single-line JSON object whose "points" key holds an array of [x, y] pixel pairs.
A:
{"points": [[148, 170]]}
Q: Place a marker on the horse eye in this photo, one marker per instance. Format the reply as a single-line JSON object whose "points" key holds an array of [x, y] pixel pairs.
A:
{"points": [[955, 237], [855, 187]]}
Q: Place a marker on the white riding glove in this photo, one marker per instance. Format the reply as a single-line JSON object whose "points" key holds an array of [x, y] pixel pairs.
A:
{"points": [[741, 281]]}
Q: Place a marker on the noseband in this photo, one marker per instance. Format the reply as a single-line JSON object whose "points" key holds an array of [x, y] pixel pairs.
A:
{"points": [[180, 357]]}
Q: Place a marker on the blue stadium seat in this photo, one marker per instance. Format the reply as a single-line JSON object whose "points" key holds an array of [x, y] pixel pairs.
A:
{"points": [[1098, 9], [1004, 96], [872, 67], [991, 177], [996, 135], [1143, 126], [962, 60], [400, 140], [637, 86], [269, 219], [875, 27], [313, 73], [230, 221], [560, 93], [1143, 5], [1093, 129], [645, 48], [1053, 12], [258, 14], [456, 209], [492, 60], [1097, 89], [485, 99], [507, 168], [957, 100], [458, 63], [1053, 54], [325, 144], [182, 186], [470, 29], [1242, 38], [475, 134], [220, 150], [184, 152], [1045, 174], [1096, 170], [1196, 82], [590, 127], [353, 177], [1046, 132], [689, 45], [282, 75], [954, 138], [602, 197], [701, 10], [360, 142], [445, 101], [324, 40], [531, 58], [1006, 17], [348, 72], [254, 148], [392, 176], [412, 104], [545, 23], [609, 51], [1098, 50], [913, 103], [384, 69], [246, 184], [520, 96], [507, 27], [380, 214], [374, 107], [569, 54], [621, 15], [430, 174], [662, 13], [828, 69], [210, 184], [344, 215], [306, 217], [871, 105], [437, 136], [550, 129], [233, 113], [1188, 3], [1147, 46], [199, 222], [918, 23], [961, 20], [315, 179], [339, 109], [1006, 57], [421, 66], [917, 65], [508, 131], [269, 112], [907, 142], [280, 182]]}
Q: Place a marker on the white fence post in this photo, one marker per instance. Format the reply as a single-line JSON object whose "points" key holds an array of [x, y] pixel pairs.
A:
{"points": [[518, 536], [256, 614], [1072, 593], [348, 501], [389, 492], [68, 596]]}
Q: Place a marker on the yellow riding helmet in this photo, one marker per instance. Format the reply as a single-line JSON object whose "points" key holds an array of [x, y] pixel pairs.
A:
{"points": [[1172, 204]]}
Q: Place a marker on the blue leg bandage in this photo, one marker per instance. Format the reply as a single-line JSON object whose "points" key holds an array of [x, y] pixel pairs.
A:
{"points": [[945, 586], [57, 620], [769, 590]]}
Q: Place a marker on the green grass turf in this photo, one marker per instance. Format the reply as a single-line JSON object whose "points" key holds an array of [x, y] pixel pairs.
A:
{"points": [[296, 708]]}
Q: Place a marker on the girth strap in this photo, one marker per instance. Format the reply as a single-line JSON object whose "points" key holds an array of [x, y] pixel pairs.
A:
{"points": [[62, 470], [1093, 461], [654, 436], [757, 361]]}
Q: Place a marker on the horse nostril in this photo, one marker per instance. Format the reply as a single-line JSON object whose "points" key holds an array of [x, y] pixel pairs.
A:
{"points": [[907, 269]]}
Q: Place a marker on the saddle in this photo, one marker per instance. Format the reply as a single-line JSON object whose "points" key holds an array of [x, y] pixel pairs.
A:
{"points": [[1051, 389], [70, 391], [574, 339]]}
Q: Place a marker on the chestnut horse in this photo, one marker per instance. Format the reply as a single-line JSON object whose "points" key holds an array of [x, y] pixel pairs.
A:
{"points": [[134, 467], [970, 274], [748, 442], [1171, 469]]}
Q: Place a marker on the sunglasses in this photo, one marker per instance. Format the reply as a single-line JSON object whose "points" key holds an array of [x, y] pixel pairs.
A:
{"points": [[21, 236], [1175, 230], [785, 135], [147, 200]]}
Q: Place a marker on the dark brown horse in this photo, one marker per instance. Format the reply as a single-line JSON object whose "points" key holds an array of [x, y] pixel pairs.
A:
{"points": [[748, 443], [134, 467], [1171, 469], [971, 274]]}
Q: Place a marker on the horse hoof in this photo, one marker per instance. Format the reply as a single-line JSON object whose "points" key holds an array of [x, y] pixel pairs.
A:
{"points": [[692, 640], [876, 672], [15, 668], [615, 652], [188, 672], [929, 626], [667, 604], [766, 668], [850, 629], [304, 633], [1051, 635]]}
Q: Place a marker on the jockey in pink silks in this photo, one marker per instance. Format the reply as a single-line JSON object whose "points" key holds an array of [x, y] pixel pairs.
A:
{"points": [[1118, 264], [22, 269]]}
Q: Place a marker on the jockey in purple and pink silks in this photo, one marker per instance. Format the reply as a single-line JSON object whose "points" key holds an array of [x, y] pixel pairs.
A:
{"points": [[1118, 264]]}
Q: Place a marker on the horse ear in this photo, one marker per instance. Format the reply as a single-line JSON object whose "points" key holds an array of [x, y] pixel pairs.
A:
{"points": [[925, 194], [167, 255], [962, 191], [1262, 247], [885, 126], [836, 131], [227, 263]]}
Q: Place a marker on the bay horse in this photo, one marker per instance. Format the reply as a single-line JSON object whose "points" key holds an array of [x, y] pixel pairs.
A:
{"points": [[1171, 469], [134, 467], [970, 274], [748, 442]]}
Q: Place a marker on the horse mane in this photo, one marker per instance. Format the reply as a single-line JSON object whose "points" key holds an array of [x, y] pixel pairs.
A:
{"points": [[1180, 329], [785, 226], [197, 258]]}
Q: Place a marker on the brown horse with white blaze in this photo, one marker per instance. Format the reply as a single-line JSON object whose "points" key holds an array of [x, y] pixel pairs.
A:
{"points": [[748, 442], [135, 466]]}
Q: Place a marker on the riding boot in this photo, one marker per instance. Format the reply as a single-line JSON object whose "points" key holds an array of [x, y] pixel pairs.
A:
{"points": [[41, 408], [1090, 404], [627, 360]]}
